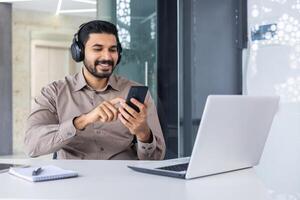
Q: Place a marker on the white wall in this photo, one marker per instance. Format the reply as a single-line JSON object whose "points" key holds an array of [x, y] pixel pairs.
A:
{"points": [[273, 68], [29, 25]]}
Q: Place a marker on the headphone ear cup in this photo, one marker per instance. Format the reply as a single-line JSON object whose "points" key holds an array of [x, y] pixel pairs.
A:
{"points": [[77, 51], [119, 59], [119, 46]]}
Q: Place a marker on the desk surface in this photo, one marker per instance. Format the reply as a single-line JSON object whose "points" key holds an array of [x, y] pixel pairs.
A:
{"points": [[113, 180]]}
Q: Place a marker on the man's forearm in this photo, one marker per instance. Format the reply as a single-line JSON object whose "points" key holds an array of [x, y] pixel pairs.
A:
{"points": [[41, 139], [81, 122], [145, 137]]}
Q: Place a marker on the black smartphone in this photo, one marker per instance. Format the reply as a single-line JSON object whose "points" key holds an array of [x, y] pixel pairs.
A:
{"points": [[137, 92], [4, 167]]}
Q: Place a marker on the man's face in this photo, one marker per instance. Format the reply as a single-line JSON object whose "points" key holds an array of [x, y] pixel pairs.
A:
{"points": [[101, 54]]}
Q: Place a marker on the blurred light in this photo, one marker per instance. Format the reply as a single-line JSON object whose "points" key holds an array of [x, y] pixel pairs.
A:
{"points": [[285, 17], [11, 1], [255, 13], [273, 28], [280, 25], [288, 28], [58, 7], [268, 35], [124, 22], [267, 9], [78, 11], [254, 47], [86, 1]]}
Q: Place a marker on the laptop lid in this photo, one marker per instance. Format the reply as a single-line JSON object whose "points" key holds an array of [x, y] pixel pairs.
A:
{"points": [[232, 133]]}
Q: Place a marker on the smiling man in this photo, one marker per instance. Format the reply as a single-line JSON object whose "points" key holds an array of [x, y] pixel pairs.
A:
{"points": [[85, 115]]}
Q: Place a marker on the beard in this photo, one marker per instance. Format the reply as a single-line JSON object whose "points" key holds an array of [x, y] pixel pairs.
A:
{"points": [[103, 73]]}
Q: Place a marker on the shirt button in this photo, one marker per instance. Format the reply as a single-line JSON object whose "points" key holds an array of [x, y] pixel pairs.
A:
{"points": [[102, 149]]}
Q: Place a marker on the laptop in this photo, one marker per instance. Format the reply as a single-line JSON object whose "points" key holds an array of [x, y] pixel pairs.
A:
{"points": [[231, 136]]}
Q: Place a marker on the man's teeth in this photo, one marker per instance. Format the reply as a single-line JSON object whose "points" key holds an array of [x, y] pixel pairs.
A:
{"points": [[105, 65]]}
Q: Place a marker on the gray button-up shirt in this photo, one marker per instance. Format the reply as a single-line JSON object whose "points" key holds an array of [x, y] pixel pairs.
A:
{"points": [[50, 125]]}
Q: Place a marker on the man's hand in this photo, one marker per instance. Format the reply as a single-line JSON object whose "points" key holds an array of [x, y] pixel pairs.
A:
{"points": [[136, 122], [105, 112]]}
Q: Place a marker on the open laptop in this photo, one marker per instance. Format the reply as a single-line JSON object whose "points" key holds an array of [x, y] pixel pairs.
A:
{"points": [[231, 136]]}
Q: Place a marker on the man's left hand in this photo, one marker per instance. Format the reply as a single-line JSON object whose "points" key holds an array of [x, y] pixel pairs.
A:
{"points": [[135, 121]]}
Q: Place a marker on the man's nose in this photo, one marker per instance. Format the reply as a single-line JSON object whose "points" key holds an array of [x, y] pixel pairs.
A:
{"points": [[106, 55]]}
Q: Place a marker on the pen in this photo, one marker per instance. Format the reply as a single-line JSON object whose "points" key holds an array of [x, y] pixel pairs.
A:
{"points": [[37, 171]]}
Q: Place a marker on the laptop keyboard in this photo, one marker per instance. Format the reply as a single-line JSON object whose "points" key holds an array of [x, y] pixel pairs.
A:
{"points": [[177, 168]]}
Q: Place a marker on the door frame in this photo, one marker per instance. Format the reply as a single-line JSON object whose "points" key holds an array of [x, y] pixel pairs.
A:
{"points": [[42, 43]]}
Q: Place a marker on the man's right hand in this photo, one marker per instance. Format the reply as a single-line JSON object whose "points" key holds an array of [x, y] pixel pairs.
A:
{"points": [[105, 112]]}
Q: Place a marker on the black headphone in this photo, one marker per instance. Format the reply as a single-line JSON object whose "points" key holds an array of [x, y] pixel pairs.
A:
{"points": [[77, 48]]}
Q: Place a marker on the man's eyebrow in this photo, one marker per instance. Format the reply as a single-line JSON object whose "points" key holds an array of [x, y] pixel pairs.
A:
{"points": [[97, 45], [100, 45]]}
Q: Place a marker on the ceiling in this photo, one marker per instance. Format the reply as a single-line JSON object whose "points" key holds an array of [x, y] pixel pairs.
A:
{"points": [[140, 9], [59, 7]]}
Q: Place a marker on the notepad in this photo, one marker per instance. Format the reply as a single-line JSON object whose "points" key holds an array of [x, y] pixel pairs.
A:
{"points": [[49, 172]]}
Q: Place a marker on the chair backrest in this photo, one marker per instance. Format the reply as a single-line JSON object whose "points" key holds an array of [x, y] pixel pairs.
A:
{"points": [[162, 117], [165, 129], [54, 157]]}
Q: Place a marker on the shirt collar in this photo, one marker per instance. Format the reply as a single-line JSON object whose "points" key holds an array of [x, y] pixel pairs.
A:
{"points": [[113, 82], [80, 82]]}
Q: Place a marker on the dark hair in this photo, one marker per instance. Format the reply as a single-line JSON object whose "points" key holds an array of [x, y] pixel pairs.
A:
{"points": [[96, 26]]}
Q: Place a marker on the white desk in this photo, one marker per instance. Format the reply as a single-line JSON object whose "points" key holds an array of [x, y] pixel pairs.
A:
{"points": [[112, 180]]}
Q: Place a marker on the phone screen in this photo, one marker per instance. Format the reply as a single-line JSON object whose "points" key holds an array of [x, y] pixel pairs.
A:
{"points": [[137, 92]]}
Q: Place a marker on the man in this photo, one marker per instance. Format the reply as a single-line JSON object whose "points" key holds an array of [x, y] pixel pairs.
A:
{"points": [[85, 116]]}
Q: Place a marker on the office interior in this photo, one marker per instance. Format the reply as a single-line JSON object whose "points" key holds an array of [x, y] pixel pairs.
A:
{"points": [[182, 50]]}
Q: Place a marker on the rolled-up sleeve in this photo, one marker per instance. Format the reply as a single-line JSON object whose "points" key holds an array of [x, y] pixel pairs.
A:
{"points": [[156, 149], [44, 134]]}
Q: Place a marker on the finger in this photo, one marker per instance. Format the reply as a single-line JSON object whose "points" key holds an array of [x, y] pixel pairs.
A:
{"points": [[141, 106], [102, 114], [125, 114], [129, 109], [112, 109], [124, 121], [108, 112], [117, 100]]}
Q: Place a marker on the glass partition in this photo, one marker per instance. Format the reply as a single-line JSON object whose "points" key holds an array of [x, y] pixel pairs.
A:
{"points": [[273, 68], [136, 21]]}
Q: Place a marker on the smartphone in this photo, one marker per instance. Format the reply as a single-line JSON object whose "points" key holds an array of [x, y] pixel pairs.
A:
{"points": [[4, 167], [137, 92]]}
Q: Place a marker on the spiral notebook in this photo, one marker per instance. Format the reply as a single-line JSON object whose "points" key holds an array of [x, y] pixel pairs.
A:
{"points": [[48, 172]]}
